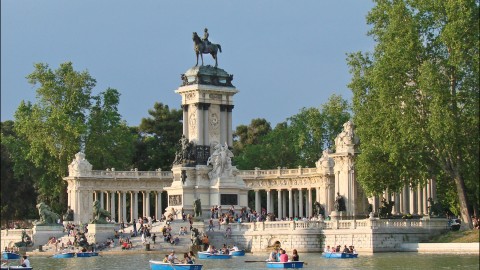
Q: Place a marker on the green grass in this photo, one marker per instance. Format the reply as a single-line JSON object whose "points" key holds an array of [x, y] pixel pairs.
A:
{"points": [[469, 236]]}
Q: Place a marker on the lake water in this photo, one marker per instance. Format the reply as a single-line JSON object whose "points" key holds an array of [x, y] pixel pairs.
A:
{"points": [[314, 261]]}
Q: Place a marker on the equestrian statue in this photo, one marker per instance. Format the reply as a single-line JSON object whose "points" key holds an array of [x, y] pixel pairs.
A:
{"points": [[204, 46]]}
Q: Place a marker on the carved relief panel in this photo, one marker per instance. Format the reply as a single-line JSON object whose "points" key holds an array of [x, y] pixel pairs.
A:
{"points": [[192, 122], [214, 123]]}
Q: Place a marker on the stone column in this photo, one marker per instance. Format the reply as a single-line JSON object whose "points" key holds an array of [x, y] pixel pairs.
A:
{"points": [[300, 203], [425, 200], [120, 207], [200, 123], [429, 189], [405, 200], [206, 124], [229, 125], [284, 204], [279, 203], [158, 205], [290, 203], [258, 207], [268, 201], [185, 119], [102, 200], [413, 208], [328, 207], [295, 204], [223, 123], [108, 208], [147, 204], [397, 196], [144, 195], [112, 205], [434, 189], [124, 206], [310, 212], [135, 204], [132, 211], [419, 200]]}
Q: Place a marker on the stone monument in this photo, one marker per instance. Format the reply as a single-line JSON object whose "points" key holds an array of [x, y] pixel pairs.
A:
{"points": [[99, 229], [47, 226], [202, 168]]}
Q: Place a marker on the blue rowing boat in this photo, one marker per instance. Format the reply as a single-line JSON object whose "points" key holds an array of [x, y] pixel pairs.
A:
{"points": [[159, 265], [238, 253], [338, 255], [6, 255], [284, 264], [64, 255], [207, 255], [11, 267], [86, 254]]}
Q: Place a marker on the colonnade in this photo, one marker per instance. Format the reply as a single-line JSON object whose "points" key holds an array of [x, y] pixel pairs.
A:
{"points": [[411, 199], [294, 202], [116, 203]]}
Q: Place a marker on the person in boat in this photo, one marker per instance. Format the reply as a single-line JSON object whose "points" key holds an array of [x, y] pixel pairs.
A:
{"points": [[283, 256], [234, 248], [352, 249], [165, 260], [346, 249], [25, 261], [295, 257], [192, 256], [273, 256], [187, 259], [172, 257], [327, 249], [211, 249]]}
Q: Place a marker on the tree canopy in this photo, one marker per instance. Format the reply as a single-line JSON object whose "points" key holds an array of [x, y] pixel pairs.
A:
{"points": [[416, 98]]}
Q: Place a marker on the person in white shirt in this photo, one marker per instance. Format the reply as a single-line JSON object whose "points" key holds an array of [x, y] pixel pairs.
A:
{"points": [[234, 248], [25, 261]]}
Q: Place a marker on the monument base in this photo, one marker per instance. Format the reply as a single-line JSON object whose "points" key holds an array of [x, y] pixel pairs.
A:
{"points": [[43, 233], [98, 233]]}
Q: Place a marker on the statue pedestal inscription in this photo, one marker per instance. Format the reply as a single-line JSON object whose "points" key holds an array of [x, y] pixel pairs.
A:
{"points": [[42, 233], [98, 233]]}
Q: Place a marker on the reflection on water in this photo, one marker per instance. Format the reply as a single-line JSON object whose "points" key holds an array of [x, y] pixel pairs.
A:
{"points": [[313, 261]]}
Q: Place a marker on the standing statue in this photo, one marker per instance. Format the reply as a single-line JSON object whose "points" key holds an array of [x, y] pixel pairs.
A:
{"points": [[47, 216], [205, 47], [197, 208], [385, 211], [185, 153], [318, 209], [340, 203]]}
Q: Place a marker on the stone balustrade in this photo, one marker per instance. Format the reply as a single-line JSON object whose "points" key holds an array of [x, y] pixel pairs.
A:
{"points": [[130, 174]]}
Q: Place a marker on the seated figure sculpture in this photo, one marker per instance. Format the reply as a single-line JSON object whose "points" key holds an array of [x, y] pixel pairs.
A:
{"points": [[99, 214]]}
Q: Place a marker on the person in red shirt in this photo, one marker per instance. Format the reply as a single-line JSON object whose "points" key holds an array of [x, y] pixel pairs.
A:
{"points": [[283, 256]]}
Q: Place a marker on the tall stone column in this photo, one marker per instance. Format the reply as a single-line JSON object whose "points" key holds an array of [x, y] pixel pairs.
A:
{"points": [[397, 196], [434, 189], [295, 204], [102, 200], [405, 209], [290, 202], [158, 205], [147, 204], [132, 211], [223, 123], [268, 201], [279, 203], [328, 206], [200, 122], [124, 207], [120, 207], [310, 212], [135, 204], [258, 207], [229, 124], [419, 200], [108, 208], [112, 205], [284, 204], [425, 200], [144, 195], [300, 203], [185, 116], [413, 208]]}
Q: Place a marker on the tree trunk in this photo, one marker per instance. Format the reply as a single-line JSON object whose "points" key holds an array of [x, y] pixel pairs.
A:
{"points": [[462, 198]]}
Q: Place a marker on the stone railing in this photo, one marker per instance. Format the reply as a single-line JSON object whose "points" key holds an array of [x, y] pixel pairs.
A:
{"points": [[130, 174], [277, 172], [341, 224]]}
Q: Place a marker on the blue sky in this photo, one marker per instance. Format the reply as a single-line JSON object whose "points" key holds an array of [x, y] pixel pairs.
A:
{"points": [[284, 55]]}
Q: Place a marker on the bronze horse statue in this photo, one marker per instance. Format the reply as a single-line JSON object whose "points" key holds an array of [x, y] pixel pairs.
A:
{"points": [[201, 48]]}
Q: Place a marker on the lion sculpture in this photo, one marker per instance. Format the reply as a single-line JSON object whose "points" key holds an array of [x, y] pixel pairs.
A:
{"points": [[99, 214], [47, 216]]}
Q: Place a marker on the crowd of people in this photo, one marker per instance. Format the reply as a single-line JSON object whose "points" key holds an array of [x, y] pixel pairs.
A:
{"points": [[188, 258], [338, 249]]}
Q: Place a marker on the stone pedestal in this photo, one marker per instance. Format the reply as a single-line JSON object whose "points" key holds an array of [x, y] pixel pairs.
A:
{"points": [[98, 233], [42, 233], [335, 215]]}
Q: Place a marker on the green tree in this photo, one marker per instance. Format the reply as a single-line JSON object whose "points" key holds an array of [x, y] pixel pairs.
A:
{"points": [[109, 141], [251, 134], [157, 137], [416, 98]]}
